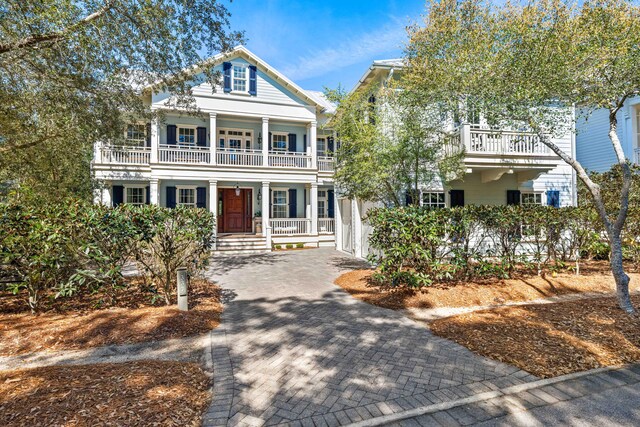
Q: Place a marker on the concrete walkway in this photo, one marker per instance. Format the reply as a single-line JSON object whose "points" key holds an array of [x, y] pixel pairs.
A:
{"points": [[293, 348]]}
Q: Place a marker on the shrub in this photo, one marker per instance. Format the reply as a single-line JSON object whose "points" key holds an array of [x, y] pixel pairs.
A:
{"points": [[299, 245], [289, 245]]}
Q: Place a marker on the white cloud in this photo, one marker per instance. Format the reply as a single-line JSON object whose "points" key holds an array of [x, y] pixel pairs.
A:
{"points": [[349, 52]]}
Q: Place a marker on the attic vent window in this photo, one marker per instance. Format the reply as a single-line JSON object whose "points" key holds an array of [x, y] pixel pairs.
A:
{"points": [[239, 78]]}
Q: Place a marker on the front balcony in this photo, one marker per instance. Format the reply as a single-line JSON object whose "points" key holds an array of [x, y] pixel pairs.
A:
{"points": [[204, 156], [300, 226]]}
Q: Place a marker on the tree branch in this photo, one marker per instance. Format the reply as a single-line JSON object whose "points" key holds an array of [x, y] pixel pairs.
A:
{"points": [[42, 38]]}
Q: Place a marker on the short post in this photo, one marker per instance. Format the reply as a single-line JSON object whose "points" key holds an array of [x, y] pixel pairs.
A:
{"points": [[183, 285]]}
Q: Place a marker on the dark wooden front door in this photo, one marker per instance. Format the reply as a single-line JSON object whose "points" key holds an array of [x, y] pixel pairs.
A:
{"points": [[236, 211]]}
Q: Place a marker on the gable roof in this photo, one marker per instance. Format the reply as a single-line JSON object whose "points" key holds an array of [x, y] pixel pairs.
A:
{"points": [[243, 52], [329, 107], [378, 66]]}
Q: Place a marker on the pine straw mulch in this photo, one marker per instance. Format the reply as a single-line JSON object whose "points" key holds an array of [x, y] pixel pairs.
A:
{"points": [[88, 321], [114, 394], [595, 278], [548, 340]]}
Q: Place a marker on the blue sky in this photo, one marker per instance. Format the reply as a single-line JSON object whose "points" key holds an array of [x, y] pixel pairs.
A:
{"points": [[324, 43]]}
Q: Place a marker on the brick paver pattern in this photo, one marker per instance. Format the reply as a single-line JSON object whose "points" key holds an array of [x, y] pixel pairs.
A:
{"points": [[293, 348]]}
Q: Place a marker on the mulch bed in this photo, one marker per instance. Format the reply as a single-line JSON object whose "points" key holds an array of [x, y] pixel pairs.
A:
{"points": [[548, 340], [123, 394], [89, 320], [595, 278]]}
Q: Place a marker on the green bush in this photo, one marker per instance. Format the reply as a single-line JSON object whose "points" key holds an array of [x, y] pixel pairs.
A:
{"points": [[289, 246], [299, 245]]}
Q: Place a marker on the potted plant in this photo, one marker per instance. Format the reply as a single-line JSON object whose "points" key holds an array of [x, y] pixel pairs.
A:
{"points": [[257, 222]]}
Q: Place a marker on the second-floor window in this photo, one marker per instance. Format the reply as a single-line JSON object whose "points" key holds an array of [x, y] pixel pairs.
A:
{"points": [[136, 134], [322, 146], [186, 136], [239, 78], [279, 142], [235, 139]]}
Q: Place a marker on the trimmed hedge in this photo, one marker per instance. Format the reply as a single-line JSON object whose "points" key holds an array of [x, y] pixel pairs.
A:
{"points": [[414, 247]]}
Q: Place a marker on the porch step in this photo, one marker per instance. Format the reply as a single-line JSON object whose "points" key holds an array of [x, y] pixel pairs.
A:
{"points": [[232, 245]]}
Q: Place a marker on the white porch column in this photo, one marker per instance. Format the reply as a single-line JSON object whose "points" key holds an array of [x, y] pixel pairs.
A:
{"points": [[155, 139], [265, 142], [357, 229], [106, 193], [266, 227], [313, 140], [314, 208], [338, 221], [213, 137], [307, 206], [154, 191]]}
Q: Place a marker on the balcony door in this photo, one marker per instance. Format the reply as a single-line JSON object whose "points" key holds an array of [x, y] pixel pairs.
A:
{"points": [[236, 211]]}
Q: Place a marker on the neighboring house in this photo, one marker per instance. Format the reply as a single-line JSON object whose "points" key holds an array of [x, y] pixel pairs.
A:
{"points": [[256, 157], [501, 167], [593, 146]]}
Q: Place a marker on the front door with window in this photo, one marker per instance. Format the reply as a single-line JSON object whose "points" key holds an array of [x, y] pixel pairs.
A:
{"points": [[236, 211]]}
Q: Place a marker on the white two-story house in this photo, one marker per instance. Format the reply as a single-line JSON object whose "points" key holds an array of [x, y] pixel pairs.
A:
{"points": [[501, 167], [256, 156], [593, 145]]}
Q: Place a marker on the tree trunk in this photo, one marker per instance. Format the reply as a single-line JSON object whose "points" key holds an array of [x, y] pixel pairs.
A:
{"points": [[621, 278]]}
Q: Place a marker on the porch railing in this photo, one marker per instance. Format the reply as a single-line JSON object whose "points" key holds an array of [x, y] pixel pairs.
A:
{"points": [[636, 156], [491, 141], [290, 226], [289, 160], [326, 164], [178, 154], [125, 155], [239, 157], [326, 225]]}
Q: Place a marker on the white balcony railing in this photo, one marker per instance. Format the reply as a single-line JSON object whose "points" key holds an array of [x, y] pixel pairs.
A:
{"points": [[290, 226], [183, 154], [289, 160], [501, 142], [239, 157], [326, 225], [326, 164], [125, 155]]}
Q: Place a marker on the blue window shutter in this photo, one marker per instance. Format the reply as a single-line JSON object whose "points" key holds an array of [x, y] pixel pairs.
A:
{"points": [[553, 198], [270, 141], [201, 137], [117, 195], [293, 203], [148, 139], [330, 207], [171, 197], [330, 144], [253, 83], [201, 197], [304, 143], [226, 71], [171, 134], [408, 198], [148, 195], [292, 142], [513, 197], [456, 198]]}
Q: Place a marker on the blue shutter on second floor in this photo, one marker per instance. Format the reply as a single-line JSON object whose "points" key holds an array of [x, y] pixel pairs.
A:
{"points": [[201, 137], [148, 135], [253, 82], [553, 198], [330, 201], [269, 141], [330, 144], [293, 203], [171, 197], [201, 197], [171, 134], [226, 71], [292, 142], [117, 195], [304, 143]]}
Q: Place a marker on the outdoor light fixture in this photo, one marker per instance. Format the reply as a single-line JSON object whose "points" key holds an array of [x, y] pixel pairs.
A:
{"points": [[259, 195], [237, 190]]}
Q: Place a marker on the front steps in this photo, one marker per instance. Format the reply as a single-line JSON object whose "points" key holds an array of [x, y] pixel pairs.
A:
{"points": [[241, 245]]}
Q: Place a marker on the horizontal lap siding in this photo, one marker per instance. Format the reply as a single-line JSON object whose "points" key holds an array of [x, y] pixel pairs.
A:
{"points": [[593, 147]]}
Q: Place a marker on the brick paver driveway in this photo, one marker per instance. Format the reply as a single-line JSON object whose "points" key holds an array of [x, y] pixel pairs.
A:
{"points": [[294, 348]]}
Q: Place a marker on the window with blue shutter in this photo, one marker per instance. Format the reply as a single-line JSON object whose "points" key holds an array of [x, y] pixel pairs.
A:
{"points": [[456, 198], [253, 83], [330, 207], [171, 197], [117, 195], [293, 203], [148, 195], [513, 197], [553, 198], [148, 131], [226, 71], [270, 135], [292, 142], [201, 197], [171, 134], [330, 144], [408, 198], [304, 143], [201, 137]]}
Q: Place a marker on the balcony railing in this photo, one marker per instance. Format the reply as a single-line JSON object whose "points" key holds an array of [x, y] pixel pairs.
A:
{"points": [[239, 157], [326, 225], [501, 142], [290, 226], [184, 154], [125, 155], [326, 164], [289, 160]]}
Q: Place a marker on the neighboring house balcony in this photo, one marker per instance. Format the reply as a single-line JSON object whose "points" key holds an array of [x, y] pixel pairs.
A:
{"points": [[494, 152]]}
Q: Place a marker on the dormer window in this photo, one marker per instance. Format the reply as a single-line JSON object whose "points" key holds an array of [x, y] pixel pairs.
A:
{"points": [[240, 75]]}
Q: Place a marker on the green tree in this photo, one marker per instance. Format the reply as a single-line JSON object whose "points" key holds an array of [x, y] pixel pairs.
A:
{"points": [[528, 65], [73, 72]]}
